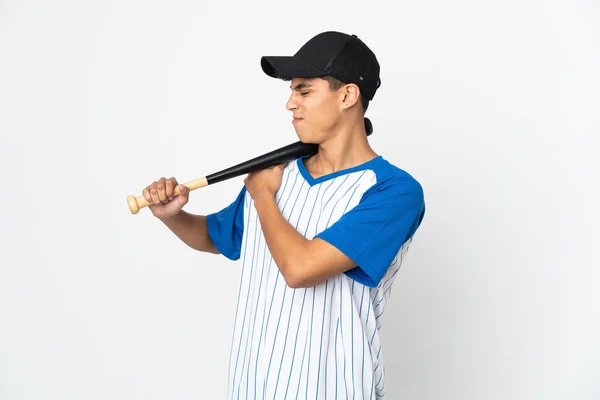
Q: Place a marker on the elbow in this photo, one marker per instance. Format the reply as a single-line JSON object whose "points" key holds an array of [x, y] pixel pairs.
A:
{"points": [[301, 278], [303, 282], [294, 280], [294, 275], [296, 269]]}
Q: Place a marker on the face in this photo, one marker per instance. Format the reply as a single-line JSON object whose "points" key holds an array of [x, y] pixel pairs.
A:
{"points": [[315, 107]]}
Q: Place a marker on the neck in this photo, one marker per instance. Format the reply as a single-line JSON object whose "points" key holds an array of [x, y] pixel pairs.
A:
{"points": [[346, 148]]}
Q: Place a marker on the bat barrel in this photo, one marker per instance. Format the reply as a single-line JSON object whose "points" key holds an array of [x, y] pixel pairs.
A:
{"points": [[368, 126], [279, 156]]}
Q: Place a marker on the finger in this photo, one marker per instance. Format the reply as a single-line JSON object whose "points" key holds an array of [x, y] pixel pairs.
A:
{"points": [[154, 194], [184, 192], [170, 187], [160, 187], [146, 194]]}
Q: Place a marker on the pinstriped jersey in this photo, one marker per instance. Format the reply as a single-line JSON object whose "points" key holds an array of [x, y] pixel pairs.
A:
{"points": [[320, 342]]}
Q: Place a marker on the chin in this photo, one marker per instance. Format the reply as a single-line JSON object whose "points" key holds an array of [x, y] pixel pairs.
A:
{"points": [[306, 137]]}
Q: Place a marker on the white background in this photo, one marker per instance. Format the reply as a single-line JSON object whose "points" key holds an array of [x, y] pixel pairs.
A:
{"points": [[493, 106]]}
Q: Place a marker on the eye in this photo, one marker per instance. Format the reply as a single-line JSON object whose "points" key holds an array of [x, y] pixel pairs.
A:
{"points": [[304, 93]]}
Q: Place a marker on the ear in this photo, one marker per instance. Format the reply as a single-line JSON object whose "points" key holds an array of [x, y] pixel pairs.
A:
{"points": [[351, 96]]}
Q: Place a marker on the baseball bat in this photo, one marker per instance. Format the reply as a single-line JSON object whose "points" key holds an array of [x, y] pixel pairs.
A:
{"points": [[275, 157], [279, 156]]}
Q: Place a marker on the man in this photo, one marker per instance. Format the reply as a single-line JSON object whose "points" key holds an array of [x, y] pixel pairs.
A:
{"points": [[321, 238]]}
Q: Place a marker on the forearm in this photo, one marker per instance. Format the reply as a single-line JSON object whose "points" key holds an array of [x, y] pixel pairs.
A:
{"points": [[286, 244], [192, 230]]}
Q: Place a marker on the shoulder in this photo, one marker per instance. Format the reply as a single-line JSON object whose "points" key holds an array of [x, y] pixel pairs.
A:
{"points": [[392, 181]]}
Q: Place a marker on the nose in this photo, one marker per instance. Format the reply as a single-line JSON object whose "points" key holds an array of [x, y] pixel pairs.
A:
{"points": [[291, 104]]}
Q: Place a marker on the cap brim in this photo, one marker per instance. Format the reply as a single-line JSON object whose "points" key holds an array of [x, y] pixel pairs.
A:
{"points": [[289, 67]]}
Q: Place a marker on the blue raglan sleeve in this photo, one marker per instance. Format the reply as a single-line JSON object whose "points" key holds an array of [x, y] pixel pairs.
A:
{"points": [[372, 233], [226, 227]]}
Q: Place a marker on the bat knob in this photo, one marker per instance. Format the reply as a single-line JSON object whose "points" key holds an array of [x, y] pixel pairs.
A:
{"points": [[133, 204]]}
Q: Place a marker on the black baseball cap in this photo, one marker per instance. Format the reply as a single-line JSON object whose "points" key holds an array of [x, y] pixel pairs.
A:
{"points": [[342, 56]]}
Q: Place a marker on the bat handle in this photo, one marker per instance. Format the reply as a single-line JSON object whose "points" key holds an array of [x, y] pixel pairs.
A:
{"points": [[137, 203]]}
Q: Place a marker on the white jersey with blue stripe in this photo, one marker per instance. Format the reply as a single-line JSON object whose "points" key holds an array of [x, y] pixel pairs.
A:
{"points": [[320, 342]]}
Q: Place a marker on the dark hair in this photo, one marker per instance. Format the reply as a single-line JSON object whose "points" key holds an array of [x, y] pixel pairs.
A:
{"points": [[335, 84]]}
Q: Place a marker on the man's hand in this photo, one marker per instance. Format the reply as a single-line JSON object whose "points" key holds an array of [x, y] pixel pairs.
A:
{"points": [[163, 203], [264, 183]]}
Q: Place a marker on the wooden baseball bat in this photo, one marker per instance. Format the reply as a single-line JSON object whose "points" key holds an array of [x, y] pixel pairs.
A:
{"points": [[279, 156]]}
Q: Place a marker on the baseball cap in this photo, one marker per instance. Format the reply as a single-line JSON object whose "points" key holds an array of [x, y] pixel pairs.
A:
{"points": [[342, 56]]}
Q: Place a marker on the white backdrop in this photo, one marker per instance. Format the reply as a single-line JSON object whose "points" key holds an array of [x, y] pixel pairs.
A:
{"points": [[493, 106]]}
